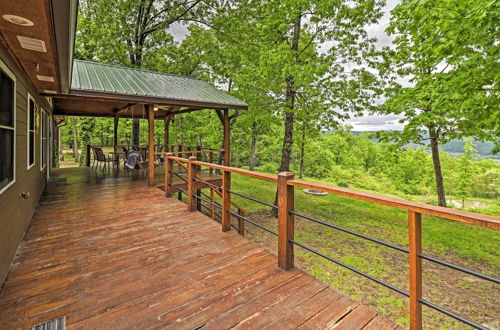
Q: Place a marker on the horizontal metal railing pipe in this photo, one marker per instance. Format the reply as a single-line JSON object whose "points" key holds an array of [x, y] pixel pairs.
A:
{"points": [[357, 271], [451, 314], [253, 223], [208, 184], [206, 201], [461, 269], [183, 178], [479, 219], [252, 199], [178, 188], [395, 247]]}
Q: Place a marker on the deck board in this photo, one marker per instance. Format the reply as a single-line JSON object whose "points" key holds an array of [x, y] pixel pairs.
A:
{"points": [[107, 252]]}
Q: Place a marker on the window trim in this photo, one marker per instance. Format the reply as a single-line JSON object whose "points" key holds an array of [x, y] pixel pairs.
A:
{"points": [[28, 166], [43, 119], [11, 75]]}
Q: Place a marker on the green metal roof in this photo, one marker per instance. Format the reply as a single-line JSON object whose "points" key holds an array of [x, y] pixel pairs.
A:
{"points": [[122, 81]]}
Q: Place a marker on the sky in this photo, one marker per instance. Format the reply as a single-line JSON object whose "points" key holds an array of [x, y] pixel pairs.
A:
{"points": [[367, 122], [379, 122]]}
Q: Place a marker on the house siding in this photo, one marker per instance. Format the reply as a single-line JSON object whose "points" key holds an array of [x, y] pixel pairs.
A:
{"points": [[15, 211]]}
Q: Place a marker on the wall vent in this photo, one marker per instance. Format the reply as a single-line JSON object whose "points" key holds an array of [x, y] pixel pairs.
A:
{"points": [[45, 78], [59, 324], [32, 44]]}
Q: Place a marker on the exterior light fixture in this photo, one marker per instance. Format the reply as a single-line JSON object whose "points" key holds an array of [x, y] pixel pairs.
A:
{"points": [[18, 20]]}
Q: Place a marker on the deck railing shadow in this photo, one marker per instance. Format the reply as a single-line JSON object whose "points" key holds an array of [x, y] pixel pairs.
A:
{"points": [[285, 210]]}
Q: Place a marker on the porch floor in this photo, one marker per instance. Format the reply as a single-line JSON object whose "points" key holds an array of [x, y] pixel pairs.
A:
{"points": [[105, 251]]}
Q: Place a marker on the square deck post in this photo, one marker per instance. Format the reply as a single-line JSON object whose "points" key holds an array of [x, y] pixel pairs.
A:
{"points": [[151, 145], [191, 184], [415, 248], [168, 175], [285, 220], [226, 201]]}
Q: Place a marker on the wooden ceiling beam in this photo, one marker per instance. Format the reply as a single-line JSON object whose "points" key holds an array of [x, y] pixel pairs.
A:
{"points": [[123, 109]]}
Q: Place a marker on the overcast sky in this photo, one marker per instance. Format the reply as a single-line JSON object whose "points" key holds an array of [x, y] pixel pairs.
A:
{"points": [[367, 122], [379, 122]]}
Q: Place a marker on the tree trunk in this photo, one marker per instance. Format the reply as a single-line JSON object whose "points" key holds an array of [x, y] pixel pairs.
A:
{"points": [[434, 137], [286, 150], [135, 133], [253, 147], [302, 145], [75, 139], [59, 144]]}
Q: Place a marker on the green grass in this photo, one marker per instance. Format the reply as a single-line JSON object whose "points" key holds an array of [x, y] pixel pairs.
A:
{"points": [[466, 245]]}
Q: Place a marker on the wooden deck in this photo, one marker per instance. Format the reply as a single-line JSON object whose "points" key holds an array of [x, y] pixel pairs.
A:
{"points": [[105, 251]]}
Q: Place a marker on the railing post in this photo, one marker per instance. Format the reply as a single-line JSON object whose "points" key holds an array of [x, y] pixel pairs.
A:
{"points": [[211, 161], [191, 184], [198, 168], [285, 220], [226, 201], [212, 207], [168, 175], [241, 223], [415, 248]]}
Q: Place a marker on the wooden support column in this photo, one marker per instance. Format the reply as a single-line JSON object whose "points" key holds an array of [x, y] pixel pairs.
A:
{"points": [[115, 129], [285, 221], [166, 137], [241, 223], [168, 175], [212, 207], [151, 145], [198, 168], [87, 156], [191, 184], [415, 248], [227, 138], [226, 201]]}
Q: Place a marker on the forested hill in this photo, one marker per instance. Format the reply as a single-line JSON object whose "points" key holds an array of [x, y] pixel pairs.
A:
{"points": [[454, 146]]}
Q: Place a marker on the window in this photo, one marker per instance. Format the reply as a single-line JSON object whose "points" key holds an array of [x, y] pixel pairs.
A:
{"points": [[43, 140], [7, 127], [31, 131]]}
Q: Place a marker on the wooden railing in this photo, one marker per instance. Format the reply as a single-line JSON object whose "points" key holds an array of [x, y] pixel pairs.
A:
{"points": [[192, 178], [286, 213]]}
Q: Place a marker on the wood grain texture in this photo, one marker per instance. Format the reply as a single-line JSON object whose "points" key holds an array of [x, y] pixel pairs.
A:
{"points": [[285, 221], [415, 248], [108, 252], [151, 144], [478, 219]]}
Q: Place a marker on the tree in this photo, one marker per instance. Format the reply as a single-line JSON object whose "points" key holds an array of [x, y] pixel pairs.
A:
{"points": [[86, 128], [74, 121], [465, 173], [446, 51], [133, 30]]}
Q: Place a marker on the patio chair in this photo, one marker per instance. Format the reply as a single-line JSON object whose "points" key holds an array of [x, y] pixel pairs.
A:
{"points": [[101, 159]]}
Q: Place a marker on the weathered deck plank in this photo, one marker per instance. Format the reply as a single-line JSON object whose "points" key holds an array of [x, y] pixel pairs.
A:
{"points": [[107, 252]]}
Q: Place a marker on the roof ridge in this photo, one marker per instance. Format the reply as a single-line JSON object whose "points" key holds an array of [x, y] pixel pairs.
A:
{"points": [[141, 70]]}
